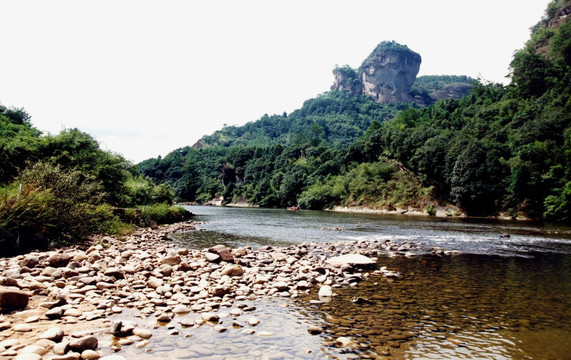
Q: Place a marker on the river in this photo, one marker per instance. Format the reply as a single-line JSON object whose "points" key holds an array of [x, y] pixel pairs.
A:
{"points": [[503, 298]]}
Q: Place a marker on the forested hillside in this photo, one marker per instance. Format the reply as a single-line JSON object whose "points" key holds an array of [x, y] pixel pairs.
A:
{"points": [[59, 189], [334, 118], [501, 149]]}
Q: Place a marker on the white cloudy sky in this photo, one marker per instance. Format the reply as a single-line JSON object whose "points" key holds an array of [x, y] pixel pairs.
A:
{"points": [[147, 77]]}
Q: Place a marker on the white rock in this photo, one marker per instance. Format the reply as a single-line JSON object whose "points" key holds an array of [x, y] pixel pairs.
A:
{"points": [[253, 321], [90, 355], [142, 333], [28, 356], [351, 259], [325, 291]]}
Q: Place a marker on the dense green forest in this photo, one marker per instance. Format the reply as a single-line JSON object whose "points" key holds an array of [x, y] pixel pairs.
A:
{"points": [[334, 118], [501, 149], [59, 189]]}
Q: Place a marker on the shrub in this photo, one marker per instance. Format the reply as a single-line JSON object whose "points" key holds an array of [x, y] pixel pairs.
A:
{"points": [[430, 209], [24, 209], [152, 215]]}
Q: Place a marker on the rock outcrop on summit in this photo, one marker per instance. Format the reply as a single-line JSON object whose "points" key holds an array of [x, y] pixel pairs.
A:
{"points": [[389, 72], [387, 76]]}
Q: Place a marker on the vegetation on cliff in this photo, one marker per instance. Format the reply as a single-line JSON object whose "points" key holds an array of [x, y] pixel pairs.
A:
{"points": [[62, 188], [499, 149]]}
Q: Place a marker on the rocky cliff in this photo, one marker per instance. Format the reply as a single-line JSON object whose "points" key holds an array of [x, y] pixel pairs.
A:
{"points": [[388, 74], [385, 76]]}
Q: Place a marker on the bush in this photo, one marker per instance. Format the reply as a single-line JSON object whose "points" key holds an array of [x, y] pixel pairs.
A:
{"points": [[152, 215], [430, 209], [24, 209]]}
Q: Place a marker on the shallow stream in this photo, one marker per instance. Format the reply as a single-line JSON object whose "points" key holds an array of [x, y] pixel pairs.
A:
{"points": [[504, 298]]}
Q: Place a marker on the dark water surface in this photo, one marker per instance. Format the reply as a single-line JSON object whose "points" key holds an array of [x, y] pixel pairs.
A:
{"points": [[501, 299]]}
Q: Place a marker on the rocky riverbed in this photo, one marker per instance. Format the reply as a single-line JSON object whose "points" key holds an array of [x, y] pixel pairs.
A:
{"points": [[60, 304]]}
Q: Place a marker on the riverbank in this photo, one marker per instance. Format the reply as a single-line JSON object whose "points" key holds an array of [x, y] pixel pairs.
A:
{"points": [[63, 301]]}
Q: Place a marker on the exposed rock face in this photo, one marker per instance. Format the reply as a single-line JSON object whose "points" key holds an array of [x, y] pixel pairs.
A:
{"points": [[347, 79], [386, 75]]}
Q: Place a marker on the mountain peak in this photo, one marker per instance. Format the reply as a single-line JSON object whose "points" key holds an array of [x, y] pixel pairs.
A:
{"points": [[386, 75]]}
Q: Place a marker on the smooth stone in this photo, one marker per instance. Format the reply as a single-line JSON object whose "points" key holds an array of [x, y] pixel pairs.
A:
{"points": [[72, 312], [28, 356], [31, 319], [180, 309], [356, 260], [220, 328], [34, 349], [325, 291], [126, 342], [253, 321], [281, 285], [30, 261], [165, 317], [142, 333], [142, 344], [61, 348], [48, 344], [171, 260], [22, 328], [154, 282], [4, 325], [344, 341], [59, 260], [314, 330], [232, 270], [265, 333], [115, 272], [84, 343], [212, 257], [90, 355], [55, 334], [54, 313], [236, 312], [210, 317], [8, 343], [13, 298]]}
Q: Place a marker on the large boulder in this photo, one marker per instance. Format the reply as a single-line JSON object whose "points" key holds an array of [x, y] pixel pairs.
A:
{"points": [[13, 298], [59, 260], [84, 343]]}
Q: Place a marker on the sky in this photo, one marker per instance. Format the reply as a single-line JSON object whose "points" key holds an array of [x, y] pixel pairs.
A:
{"points": [[147, 77]]}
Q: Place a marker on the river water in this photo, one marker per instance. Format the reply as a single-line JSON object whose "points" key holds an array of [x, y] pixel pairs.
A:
{"points": [[503, 298]]}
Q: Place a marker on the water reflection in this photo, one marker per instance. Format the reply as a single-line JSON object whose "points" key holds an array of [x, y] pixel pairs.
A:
{"points": [[259, 227], [457, 307]]}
